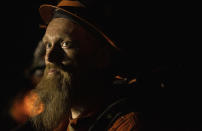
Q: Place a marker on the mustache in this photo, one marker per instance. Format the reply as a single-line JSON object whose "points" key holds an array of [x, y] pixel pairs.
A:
{"points": [[60, 67]]}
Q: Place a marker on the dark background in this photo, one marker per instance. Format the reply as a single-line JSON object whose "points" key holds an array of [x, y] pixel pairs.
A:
{"points": [[160, 41], [20, 36]]}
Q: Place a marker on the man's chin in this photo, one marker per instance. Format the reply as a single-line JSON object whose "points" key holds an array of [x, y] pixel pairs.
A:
{"points": [[51, 75]]}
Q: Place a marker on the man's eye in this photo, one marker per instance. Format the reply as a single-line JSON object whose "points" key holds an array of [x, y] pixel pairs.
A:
{"points": [[48, 45], [65, 44]]}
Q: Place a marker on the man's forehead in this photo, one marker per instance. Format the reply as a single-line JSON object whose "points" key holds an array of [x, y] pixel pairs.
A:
{"points": [[59, 28], [61, 24], [63, 28]]}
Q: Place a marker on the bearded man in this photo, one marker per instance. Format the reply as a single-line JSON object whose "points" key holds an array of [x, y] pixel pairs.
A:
{"points": [[76, 92]]}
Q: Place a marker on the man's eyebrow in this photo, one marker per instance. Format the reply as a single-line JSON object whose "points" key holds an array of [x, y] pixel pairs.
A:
{"points": [[45, 40]]}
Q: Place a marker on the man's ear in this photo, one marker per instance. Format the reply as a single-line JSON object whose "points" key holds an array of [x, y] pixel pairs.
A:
{"points": [[103, 57]]}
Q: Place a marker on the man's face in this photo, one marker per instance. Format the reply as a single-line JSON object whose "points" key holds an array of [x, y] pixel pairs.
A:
{"points": [[68, 45], [70, 50]]}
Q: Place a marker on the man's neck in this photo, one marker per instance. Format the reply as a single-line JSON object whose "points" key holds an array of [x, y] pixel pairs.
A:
{"points": [[78, 111], [75, 113]]}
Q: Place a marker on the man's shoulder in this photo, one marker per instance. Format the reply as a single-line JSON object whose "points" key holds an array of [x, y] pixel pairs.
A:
{"points": [[119, 113]]}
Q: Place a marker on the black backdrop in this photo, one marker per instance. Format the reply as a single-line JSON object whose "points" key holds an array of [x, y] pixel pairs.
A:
{"points": [[161, 46]]}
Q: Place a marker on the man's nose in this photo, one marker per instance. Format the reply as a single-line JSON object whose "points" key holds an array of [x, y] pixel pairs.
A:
{"points": [[56, 55]]}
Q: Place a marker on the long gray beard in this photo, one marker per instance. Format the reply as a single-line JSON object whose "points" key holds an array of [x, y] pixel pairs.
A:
{"points": [[54, 93]]}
